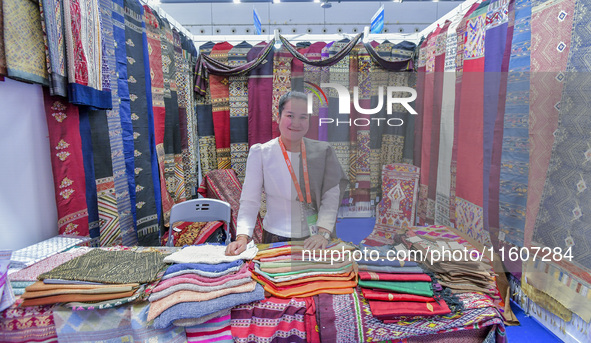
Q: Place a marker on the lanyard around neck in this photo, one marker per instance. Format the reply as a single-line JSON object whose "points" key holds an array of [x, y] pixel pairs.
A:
{"points": [[293, 175]]}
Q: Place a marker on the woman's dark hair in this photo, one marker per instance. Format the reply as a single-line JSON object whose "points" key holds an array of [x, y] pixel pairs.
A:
{"points": [[288, 96]]}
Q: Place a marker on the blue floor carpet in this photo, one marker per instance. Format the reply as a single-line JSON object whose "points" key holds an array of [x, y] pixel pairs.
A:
{"points": [[529, 330]]}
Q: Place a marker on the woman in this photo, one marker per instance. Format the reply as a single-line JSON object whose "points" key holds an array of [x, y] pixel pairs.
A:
{"points": [[302, 179]]}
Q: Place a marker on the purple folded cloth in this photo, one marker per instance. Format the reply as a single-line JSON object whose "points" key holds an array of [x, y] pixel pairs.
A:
{"points": [[212, 268]]}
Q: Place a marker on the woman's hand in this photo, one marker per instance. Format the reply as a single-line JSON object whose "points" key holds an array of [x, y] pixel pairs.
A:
{"points": [[316, 241], [237, 247]]}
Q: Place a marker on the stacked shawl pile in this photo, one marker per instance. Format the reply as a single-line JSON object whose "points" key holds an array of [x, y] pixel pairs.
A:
{"points": [[462, 273], [396, 288], [98, 279], [200, 288], [287, 270]]}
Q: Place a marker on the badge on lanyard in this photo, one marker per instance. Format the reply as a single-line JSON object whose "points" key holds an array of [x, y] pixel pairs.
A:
{"points": [[308, 212]]}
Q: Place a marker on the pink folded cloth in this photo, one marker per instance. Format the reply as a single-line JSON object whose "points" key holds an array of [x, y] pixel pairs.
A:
{"points": [[202, 280]]}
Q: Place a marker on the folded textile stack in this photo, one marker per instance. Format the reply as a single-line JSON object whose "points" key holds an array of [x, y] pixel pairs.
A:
{"points": [[6, 294], [36, 252], [194, 233], [27, 276], [97, 279], [460, 270], [396, 288], [203, 284], [288, 270]]}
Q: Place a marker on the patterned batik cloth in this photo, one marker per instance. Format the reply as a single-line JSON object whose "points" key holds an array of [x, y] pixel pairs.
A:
{"points": [[260, 106], [124, 323], [85, 56], [225, 186], [469, 169], [220, 101], [53, 29], [272, 319], [562, 220], [110, 267], [551, 29], [145, 192], [67, 165], [348, 318], [446, 129], [26, 324], [23, 42]]}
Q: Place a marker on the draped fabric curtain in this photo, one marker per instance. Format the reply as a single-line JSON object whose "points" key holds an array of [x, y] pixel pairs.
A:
{"points": [[513, 169], [365, 69]]}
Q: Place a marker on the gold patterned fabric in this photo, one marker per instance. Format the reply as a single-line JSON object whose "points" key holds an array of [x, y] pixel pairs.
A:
{"points": [[23, 41], [110, 267]]}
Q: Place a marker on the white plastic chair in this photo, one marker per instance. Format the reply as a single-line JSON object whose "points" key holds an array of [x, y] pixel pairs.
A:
{"points": [[200, 210]]}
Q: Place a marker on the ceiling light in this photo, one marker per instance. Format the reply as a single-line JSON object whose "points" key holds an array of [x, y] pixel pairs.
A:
{"points": [[276, 1], [236, 1], [316, 1]]}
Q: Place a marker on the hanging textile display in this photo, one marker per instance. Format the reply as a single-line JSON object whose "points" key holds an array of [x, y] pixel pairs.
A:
{"points": [[439, 68], [324, 78], [239, 110], [55, 49], [446, 129], [427, 122], [469, 178], [23, 42], [499, 35], [182, 154], [207, 151], [120, 121], [461, 31], [281, 84], [153, 33], [554, 22], [86, 82], [338, 135], [173, 169], [146, 209], [89, 174], [67, 166], [514, 192], [361, 72], [397, 141], [562, 220], [260, 89], [190, 158], [220, 100], [297, 67], [313, 74]]}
